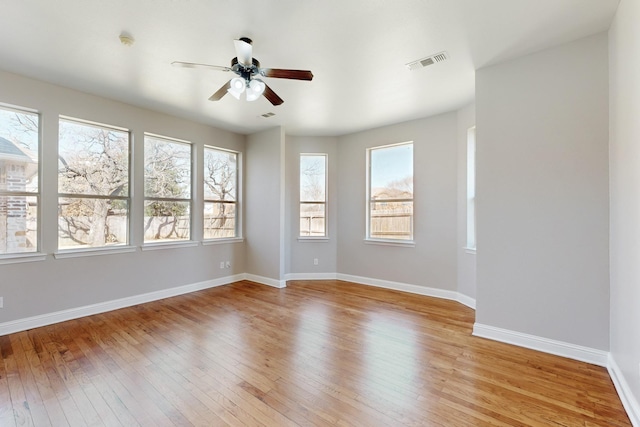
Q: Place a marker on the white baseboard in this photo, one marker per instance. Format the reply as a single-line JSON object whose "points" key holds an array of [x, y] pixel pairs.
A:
{"points": [[386, 284], [466, 300], [629, 401], [559, 348], [406, 287], [265, 280], [311, 276], [88, 310]]}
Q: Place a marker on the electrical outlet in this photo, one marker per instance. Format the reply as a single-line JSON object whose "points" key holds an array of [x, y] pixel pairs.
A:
{"points": [[1, 302], [221, 264], [228, 264], [315, 261]]}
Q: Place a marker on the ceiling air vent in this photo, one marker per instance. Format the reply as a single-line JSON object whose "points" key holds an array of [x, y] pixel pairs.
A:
{"points": [[267, 115], [429, 60]]}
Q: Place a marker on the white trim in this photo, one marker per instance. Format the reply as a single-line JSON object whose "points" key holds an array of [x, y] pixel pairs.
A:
{"points": [[470, 251], [88, 310], [629, 401], [265, 280], [466, 300], [405, 287], [169, 245], [402, 243], [208, 242], [22, 257], [311, 239], [311, 276], [105, 250], [559, 348]]}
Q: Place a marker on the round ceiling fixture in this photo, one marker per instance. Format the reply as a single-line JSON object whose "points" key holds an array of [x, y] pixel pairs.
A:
{"points": [[126, 39]]}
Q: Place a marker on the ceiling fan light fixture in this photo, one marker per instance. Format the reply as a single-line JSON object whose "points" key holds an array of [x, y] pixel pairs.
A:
{"points": [[255, 89], [237, 87], [238, 84]]}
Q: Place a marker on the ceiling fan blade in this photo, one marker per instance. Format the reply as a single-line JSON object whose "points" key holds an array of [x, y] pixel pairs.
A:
{"points": [[220, 92], [244, 51], [272, 96], [287, 74], [194, 65]]}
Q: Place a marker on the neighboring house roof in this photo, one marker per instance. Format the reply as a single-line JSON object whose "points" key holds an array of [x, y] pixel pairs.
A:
{"points": [[9, 150]]}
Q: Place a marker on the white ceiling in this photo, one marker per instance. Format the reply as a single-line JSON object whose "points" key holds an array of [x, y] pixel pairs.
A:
{"points": [[357, 50]]}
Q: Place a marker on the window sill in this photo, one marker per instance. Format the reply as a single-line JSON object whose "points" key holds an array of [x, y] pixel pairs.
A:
{"points": [[22, 257], [168, 245], [470, 251], [76, 253], [313, 239], [209, 242], [401, 243]]}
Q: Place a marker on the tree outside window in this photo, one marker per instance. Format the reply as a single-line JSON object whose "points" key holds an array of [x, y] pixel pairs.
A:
{"points": [[220, 193], [167, 189], [93, 185], [313, 195]]}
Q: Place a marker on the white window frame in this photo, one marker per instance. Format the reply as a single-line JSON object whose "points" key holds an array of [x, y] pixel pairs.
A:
{"points": [[369, 200], [325, 234], [96, 250], [238, 206], [153, 244], [35, 255], [471, 190]]}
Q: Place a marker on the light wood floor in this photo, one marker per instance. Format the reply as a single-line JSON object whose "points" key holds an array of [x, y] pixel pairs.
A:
{"points": [[315, 353]]}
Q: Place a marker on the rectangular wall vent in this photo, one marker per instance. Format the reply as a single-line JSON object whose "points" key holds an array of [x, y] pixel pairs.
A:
{"points": [[429, 60]]}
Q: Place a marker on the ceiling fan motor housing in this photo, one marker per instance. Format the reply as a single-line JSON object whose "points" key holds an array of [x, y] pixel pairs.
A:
{"points": [[246, 73]]}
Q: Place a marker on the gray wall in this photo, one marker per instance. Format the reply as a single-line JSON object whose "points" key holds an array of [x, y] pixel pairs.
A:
{"points": [[41, 287], [301, 253], [264, 205], [542, 185], [432, 262], [624, 84], [466, 260]]}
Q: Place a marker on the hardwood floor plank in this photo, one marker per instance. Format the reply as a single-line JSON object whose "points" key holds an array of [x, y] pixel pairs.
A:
{"points": [[32, 401], [81, 371], [317, 353], [6, 411]]}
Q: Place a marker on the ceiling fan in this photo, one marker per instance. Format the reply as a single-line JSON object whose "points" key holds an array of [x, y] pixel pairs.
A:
{"points": [[248, 71]]}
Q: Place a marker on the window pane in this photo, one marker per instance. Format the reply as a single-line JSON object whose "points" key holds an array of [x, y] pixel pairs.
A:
{"points": [[18, 224], [19, 140], [166, 221], [391, 192], [91, 222], [93, 160], [392, 172], [312, 219], [219, 220], [471, 188], [220, 174], [391, 220], [18, 151], [167, 168], [312, 178]]}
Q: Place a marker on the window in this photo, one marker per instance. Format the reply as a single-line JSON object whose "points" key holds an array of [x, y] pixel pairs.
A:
{"points": [[167, 189], [471, 188], [19, 189], [390, 192], [93, 185], [220, 193], [313, 195]]}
